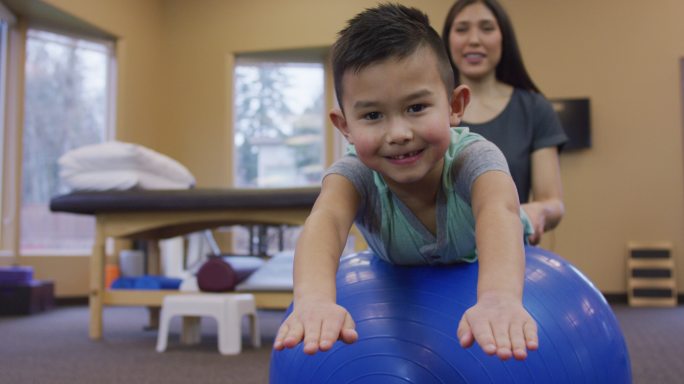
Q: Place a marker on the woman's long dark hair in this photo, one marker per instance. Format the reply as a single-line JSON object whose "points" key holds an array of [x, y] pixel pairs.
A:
{"points": [[510, 69]]}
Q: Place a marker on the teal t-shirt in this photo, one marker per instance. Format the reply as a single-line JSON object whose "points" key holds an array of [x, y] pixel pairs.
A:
{"points": [[394, 232]]}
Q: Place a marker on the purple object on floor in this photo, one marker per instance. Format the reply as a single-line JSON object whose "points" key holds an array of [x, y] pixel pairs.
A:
{"points": [[26, 298], [16, 275]]}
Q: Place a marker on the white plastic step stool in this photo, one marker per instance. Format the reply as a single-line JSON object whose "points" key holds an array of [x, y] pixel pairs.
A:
{"points": [[228, 310]]}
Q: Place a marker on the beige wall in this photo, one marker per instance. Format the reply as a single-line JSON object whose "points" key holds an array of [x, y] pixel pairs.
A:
{"points": [[628, 186], [138, 26], [199, 41], [174, 97], [70, 273]]}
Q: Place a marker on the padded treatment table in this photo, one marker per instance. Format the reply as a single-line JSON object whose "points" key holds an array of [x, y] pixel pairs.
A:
{"points": [[159, 214]]}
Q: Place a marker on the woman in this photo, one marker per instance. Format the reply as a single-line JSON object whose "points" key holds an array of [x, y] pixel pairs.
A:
{"points": [[506, 107]]}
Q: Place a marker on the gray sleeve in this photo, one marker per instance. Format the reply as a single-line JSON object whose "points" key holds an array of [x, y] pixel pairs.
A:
{"points": [[547, 128], [361, 177], [475, 159], [355, 171]]}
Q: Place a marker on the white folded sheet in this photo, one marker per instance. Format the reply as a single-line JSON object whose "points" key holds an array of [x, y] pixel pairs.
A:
{"points": [[115, 165]]}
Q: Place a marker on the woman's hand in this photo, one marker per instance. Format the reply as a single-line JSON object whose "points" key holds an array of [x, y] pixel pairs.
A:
{"points": [[537, 214], [546, 208]]}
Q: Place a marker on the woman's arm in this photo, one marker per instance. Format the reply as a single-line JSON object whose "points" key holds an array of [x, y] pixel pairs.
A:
{"points": [[546, 208]]}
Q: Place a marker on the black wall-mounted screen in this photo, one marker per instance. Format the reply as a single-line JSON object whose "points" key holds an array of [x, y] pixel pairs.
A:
{"points": [[575, 117]]}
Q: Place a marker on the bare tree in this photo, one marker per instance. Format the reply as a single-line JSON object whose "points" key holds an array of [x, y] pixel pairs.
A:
{"points": [[260, 108], [60, 114]]}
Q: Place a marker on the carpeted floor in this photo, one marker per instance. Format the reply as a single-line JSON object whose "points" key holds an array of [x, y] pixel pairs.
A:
{"points": [[655, 340], [53, 347]]}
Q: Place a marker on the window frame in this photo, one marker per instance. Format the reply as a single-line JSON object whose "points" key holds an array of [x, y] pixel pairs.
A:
{"points": [[334, 144], [11, 186], [298, 55], [7, 19], [12, 122]]}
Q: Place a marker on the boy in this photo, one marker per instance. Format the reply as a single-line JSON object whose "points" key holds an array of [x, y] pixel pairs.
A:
{"points": [[420, 191]]}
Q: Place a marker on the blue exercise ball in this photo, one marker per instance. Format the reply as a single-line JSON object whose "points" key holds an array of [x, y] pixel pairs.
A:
{"points": [[407, 317]]}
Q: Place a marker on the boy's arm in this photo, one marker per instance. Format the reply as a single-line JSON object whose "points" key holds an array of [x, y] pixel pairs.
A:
{"points": [[498, 321], [316, 319]]}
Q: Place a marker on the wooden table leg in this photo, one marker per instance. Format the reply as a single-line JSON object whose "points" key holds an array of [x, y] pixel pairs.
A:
{"points": [[153, 318], [191, 332], [97, 265], [153, 257], [153, 268]]}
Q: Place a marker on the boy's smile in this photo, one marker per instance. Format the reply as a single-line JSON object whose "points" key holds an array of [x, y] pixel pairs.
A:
{"points": [[396, 113], [406, 157]]}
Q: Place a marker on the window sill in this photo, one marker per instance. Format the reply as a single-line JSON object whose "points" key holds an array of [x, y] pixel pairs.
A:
{"points": [[56, 252]]}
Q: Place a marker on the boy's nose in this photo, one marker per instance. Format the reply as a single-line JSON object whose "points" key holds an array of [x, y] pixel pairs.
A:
{"points": [[399, 132]]}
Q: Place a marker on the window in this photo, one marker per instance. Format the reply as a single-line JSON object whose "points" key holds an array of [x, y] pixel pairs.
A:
{"points": [[279, 132], [279, 119], [68, 104]]}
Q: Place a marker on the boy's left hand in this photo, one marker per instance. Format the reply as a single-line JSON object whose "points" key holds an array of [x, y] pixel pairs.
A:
{"points": [[500, 325]]}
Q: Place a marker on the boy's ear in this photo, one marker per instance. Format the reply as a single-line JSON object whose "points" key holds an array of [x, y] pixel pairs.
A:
{"points": [[459, 101], [339, 121]]}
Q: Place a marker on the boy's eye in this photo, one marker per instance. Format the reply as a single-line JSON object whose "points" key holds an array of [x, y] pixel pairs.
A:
{"points": [[416, 108], [372, 116]]}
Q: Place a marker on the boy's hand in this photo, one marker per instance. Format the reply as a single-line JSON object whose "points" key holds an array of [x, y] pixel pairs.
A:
{"points": [[319, 323], [500, 325]]}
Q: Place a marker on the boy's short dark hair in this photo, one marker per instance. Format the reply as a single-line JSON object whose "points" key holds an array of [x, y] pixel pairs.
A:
{"points": [[386, 31]]}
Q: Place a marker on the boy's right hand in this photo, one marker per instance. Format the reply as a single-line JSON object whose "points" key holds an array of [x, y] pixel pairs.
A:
{"points": [[319, 323]]}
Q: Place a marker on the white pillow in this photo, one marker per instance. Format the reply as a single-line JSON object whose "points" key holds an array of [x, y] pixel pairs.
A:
{"points": [[118, 180], [274, 275], [119, 165]]}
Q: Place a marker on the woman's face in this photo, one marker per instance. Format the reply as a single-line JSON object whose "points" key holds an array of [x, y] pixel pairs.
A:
{"points": [[475, 42]]}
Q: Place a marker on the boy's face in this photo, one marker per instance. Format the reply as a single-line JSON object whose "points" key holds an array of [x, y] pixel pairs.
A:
{"points": [[396, 113]]}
